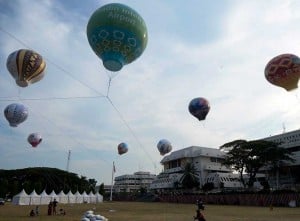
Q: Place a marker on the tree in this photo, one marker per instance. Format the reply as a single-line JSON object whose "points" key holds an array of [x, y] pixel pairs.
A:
{"points": [[101, 189], [92, 184], [189, 178], [251, 156]]}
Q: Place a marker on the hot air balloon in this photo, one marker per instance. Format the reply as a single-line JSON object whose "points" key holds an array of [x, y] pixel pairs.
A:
{"points": [[199, 108], [34, 139], [164, 146], [122, 148], [117, 34], [15, 114], [284, 71], [26, 67]]}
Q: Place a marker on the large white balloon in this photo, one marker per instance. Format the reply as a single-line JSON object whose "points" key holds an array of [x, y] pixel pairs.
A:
{"points": [[15, 114]]}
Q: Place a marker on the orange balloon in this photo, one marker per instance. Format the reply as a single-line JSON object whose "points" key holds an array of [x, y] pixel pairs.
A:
{"points": [[284, 71]]}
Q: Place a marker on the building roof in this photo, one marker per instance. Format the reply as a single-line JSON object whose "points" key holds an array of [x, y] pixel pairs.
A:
{"points": [[193, 151]]}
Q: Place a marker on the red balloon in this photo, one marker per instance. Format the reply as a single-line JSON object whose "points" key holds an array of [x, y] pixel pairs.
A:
{"points": [[34, 139], [284, 71]]}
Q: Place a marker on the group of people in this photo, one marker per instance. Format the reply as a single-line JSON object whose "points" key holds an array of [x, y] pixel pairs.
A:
{"points": [[200, 206], [52, 207]]}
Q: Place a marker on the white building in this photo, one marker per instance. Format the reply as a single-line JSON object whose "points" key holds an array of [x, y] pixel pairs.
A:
{"points": [[205, 160], [224, 180], [291, 141], [134, 182], [288, 175]]}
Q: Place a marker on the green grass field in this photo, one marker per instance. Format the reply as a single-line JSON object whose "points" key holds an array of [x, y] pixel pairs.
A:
{"points": [[132, 211]]}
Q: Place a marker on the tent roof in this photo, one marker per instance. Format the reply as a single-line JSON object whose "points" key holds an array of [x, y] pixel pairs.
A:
{"points": [[77, 193], [33, 193], [52, 193], [44, 193], [70, 193], [84, 193], [91, 193], [61, 193], [22, 193]]}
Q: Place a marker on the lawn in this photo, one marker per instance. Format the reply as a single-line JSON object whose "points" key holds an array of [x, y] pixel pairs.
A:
{"points": [[129, 211]]}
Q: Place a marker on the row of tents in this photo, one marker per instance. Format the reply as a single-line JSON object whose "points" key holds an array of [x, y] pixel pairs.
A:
{"points": [[33, 198]]}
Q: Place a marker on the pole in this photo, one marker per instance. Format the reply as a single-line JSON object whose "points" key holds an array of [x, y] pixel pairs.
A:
{"points": [[112, 180]]}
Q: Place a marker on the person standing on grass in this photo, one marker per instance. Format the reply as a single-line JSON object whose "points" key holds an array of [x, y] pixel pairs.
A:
{"points": [[50, 208], [54, 205], [37, 210]]}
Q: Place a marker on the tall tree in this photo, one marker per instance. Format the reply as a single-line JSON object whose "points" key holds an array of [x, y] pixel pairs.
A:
{"points": [[189, 178], [101, 189], [92, 184], [251, 156]]}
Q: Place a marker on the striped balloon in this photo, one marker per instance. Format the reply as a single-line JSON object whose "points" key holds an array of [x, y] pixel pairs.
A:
{"points": [[26, 67]]}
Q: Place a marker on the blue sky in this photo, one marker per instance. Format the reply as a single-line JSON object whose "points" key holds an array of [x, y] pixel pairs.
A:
{"points": [[212, 49]]}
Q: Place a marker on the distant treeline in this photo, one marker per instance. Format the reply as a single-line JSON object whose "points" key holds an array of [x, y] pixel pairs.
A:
{"points": [[39, 178]]}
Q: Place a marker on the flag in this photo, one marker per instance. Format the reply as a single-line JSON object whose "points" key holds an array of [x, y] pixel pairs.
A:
{"points": [[114, 168]]}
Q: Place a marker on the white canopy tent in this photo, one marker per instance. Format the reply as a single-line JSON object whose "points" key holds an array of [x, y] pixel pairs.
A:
{"points": [[92, 197], [78, 197], [85, 197], [62, 197], [45, 198], [35, 199], [71, 197], [21, 198], [53, 195], [99, 198]]}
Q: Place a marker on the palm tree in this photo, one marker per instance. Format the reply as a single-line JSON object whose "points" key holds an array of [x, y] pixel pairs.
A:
{"points": [[189, 178]]}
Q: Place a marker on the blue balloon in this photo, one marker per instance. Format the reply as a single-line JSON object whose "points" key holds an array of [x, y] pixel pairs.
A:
{"points": [[199, 108], [122, 148]]}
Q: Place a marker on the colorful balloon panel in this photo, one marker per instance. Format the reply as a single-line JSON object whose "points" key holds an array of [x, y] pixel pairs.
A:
{"points": [[122, 148], [284, 71], [15, 114], [164, 146], [34, 139], [199, 108], [26, 67], [117, 34]]}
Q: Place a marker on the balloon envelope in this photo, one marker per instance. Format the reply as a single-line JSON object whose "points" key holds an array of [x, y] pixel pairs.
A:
{"points": [[15, 114], [117, 34], [26, 67], [284, 71], [34, 139], [164, 146], [122, 148], [199, 108]]}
